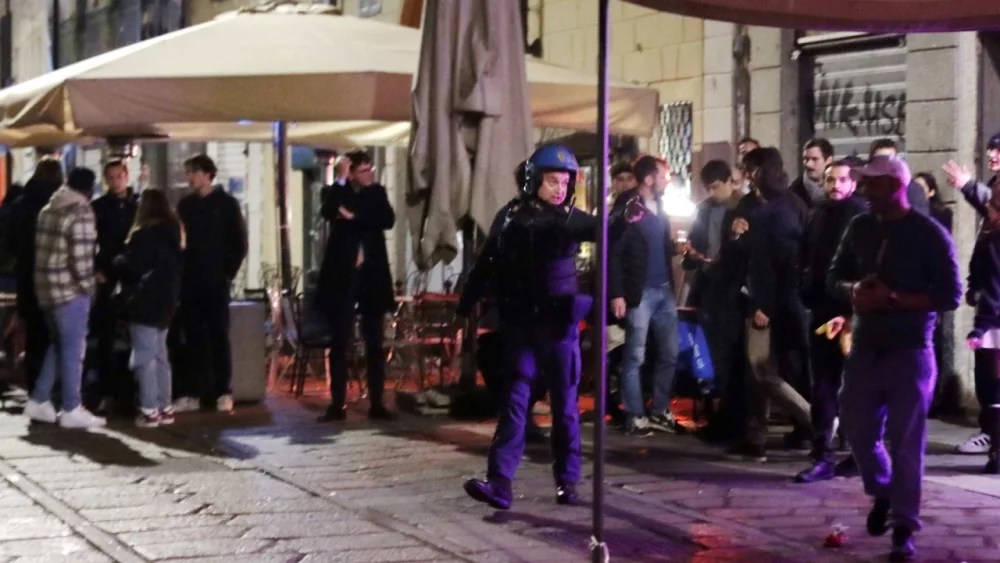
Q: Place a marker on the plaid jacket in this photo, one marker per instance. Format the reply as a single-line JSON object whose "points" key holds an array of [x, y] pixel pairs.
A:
{"points": [[64, 249]]}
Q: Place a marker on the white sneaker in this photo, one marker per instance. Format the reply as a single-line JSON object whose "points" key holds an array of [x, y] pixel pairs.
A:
{"points": [[80, 418], [187, 404], [42, 412], [224, 404], [978, 443]]}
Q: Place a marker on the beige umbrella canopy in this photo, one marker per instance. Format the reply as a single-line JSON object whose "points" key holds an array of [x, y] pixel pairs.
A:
{"points": [[291, 63], [852, 15]]}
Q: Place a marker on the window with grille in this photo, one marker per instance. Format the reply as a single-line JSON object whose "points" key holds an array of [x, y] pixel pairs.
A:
{"points": [[676, 140]]}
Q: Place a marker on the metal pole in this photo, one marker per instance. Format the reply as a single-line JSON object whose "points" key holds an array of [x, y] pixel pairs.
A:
{"points": [[599, 549], [281, 195]]}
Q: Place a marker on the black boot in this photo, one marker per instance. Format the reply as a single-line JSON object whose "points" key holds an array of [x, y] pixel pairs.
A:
{"points": [[822, 470], [903, 548], [497, 495], [566, 494], [878, 518], [993, 429]]}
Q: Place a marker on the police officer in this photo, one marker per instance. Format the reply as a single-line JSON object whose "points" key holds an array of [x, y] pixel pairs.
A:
{"points": [[531, 254]]}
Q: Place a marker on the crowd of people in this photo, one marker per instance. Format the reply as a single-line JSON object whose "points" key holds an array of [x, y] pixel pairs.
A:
{"points": [[821, 295], [123, 267]]}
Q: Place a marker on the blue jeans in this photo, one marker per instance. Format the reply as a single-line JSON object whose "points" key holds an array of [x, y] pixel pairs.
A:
{"points": [[150, 364], [656, 311], [67, 325]]}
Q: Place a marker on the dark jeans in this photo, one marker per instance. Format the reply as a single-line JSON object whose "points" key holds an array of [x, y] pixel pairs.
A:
{"points": [[204, 313], [36, 335], [111, 382], [553, 353], [987, 372], [342, 327], [724, 332], [828, 374]]}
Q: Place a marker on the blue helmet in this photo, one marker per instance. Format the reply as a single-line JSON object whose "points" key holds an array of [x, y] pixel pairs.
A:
{"points": [[548, 158]]}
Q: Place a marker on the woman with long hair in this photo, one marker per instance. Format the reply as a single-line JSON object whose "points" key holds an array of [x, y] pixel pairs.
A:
{"points": [[150, 270]]}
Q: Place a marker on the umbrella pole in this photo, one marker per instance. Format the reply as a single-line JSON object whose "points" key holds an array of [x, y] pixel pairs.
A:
{"points": [[599, 549], [281, 195]]}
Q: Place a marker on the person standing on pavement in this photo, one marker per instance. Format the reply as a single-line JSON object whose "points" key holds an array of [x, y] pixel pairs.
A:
{"points": [[150, 273], [710, 257], [919, 201], [640, 286], [355, 278], [64, 283], [776, 332], [46, 179], [215, 248], [533, 259], [826, 226], [898, 269], [817, 154], [115, 213], [984, 294]]}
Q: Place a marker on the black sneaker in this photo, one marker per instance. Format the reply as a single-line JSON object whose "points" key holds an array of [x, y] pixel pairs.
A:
{"points": [[903, 548], [379, 412], [878, 518], [638, 426], [566, 495], [333, 414], [820, 471], [663, 422], [494, 494], [847, 468], [747, 452]]}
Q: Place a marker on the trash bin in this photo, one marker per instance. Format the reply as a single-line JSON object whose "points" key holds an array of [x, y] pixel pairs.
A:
{"points": [[248, 348]]}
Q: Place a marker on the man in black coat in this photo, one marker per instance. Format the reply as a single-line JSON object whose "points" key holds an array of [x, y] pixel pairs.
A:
{"points": [[216, 244], [826, 226], [47, 178], [355, 273], [114, 212], [817, 154]]}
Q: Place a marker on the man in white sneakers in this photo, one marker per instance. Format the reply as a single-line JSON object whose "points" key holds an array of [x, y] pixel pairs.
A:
{"points": [[64, 284]]}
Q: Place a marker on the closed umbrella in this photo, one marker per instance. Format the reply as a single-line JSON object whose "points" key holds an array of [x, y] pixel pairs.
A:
{"points": [[471, 123]]}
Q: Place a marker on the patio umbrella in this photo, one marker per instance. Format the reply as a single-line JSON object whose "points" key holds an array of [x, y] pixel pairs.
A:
{"points": [[471, 124], [276, 64], [850, 15]]}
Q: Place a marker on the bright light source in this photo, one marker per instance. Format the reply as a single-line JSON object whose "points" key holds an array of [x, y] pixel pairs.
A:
{"points": [[676, 204]]}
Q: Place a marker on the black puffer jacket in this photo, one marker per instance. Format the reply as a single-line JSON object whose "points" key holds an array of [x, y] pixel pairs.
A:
{"points": [[628, 253], [150, 272]]}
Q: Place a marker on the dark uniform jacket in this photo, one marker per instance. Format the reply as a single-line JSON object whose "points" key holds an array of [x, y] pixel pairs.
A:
{"points": [[341, 283], [531, 256]]}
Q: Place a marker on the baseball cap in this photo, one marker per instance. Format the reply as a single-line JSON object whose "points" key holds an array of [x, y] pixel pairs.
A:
{"points": [[884, 165]]}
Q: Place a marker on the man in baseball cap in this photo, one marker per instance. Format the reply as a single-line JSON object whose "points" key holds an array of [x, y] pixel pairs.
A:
{"points": [[897, 268]]}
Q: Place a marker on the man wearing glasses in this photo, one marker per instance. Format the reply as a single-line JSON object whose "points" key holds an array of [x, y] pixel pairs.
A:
{"points": [[355, 273]]}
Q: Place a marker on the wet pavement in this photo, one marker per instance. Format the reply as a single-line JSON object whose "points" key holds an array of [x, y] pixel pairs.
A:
{"points": [[269, 484]]}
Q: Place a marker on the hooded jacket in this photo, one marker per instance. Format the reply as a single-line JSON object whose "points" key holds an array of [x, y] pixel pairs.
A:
{"points": [[64, 249]]}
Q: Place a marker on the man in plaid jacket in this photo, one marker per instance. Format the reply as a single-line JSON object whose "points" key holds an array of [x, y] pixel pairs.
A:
{"points": [[64, 282]]}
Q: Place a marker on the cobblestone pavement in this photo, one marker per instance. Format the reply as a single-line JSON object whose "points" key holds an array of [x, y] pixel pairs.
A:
{"points": [[268, 484]]}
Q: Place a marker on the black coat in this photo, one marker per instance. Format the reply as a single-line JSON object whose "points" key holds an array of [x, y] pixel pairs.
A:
{"points": [[150, 273], [216, 239], [114, 217], [341, 283], [628, 253], [776, 235], [24, 220], [824, 230]]}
